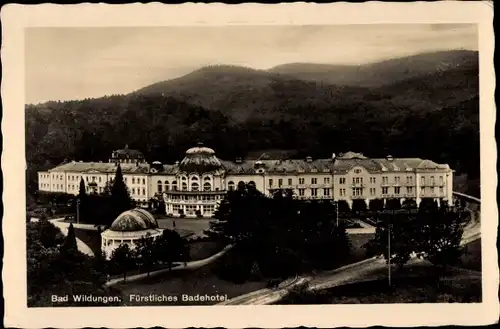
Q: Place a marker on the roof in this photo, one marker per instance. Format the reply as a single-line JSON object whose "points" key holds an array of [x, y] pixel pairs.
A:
{"points": [[134, 220], [100, 167]]}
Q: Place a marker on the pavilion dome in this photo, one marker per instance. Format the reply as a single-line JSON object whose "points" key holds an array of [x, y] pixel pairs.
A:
{"points": [[134, 220], [200, 159]]}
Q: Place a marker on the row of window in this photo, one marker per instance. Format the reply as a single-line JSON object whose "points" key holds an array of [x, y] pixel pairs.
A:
{"points": [[314, 181], [314, 191], [137, 180], [194, 198], [138, 191], [194, 186], [191, 209]]}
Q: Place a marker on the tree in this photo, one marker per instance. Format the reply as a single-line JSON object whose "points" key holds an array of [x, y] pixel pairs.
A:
{"points": [[358, 205], [170, 247], [146, 254], [69, 245], [376, 204], [343, 206], [393, 204], [120, 197], [409, 203], [403, 238], [427, 204], [123, 258], [439, 236]]}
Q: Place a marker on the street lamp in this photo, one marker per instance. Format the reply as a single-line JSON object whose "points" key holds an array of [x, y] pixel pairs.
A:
{"points": [[77, 211]]}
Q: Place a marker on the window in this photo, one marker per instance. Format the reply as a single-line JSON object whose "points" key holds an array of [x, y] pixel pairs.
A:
{"points": [[357, 171], [125, 179], [422, 189], [314, 181], [194, 178], [441, 190], [327, 180], [289, 181], [354, 180], [342, 191], [385, 180], [301, 192], [314, 192], [184, 186], [301, 181], [396, 179], [230, 186], [207, 186], [133, 191], [280, 182], [88, 179], [422, 180], [441, 180], [326, 192], [372, 191], [144, 181], [207, 178], [195, 186], [174, 185], [385, 190], [270, 183], [159, 186], [397, 190], [357, 191], [133, 180], [409, 190], [167, 185], [372, 180], [100, 179], [341, 180], [432, 180], [143, 191], [408, 179], [433, 190]]}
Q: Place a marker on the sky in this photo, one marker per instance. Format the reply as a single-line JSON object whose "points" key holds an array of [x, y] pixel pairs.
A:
{"points": [[76, 63]]}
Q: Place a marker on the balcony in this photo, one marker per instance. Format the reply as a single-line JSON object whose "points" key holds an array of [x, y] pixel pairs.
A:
{"points": [[178, 192], [358, 197], [362, 185]]}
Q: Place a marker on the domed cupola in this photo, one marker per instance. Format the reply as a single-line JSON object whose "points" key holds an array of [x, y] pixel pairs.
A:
{"points": [[200, 159], [134, 220]]}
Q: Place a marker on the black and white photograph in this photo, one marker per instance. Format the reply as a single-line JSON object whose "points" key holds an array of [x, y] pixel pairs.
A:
{"points": [[253, 164]]}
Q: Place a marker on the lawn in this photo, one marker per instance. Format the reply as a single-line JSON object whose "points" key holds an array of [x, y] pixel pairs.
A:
{"points": [[471, 259], [90, 238], [358, 253], [414, 285], [197, 282]]}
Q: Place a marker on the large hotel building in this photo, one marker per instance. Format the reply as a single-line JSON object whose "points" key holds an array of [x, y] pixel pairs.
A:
{"points": [[194, 186]]}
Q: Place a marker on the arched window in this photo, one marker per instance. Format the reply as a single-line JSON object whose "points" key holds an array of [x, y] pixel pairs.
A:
{"points": [[183, 178], [241, 185], [207, 186], [230, 186], [195, 187], [194, 178], [174, 185], [167, 185], [207, 178], [159, 187], [184, 186]]}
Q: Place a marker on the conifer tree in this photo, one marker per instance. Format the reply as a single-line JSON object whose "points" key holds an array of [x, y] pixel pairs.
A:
{"points": [[120, 197], [69, 244]]}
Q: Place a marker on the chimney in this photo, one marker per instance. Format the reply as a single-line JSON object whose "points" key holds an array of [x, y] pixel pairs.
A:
{"points": [[333, 156], [238, 160], [309, 159], [389, 157]]}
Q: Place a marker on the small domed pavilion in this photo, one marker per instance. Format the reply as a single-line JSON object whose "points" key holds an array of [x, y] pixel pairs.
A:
{"points": [[128, 228]]}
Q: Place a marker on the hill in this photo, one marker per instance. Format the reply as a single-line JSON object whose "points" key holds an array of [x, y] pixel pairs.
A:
{"points": [[380, 73], [239, 92]]}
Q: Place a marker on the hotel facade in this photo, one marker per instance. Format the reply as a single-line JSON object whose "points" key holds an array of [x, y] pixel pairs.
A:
{"points": [[194, 186]]}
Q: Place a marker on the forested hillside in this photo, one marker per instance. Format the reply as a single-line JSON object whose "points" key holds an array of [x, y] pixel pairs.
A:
{"points": [[238, 111]]}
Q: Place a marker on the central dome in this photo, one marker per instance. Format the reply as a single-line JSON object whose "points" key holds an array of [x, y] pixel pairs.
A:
{"points": [[200, 159], [134, 220]]}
